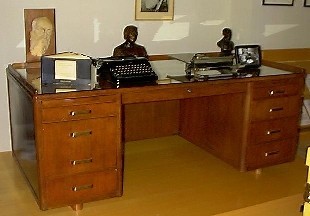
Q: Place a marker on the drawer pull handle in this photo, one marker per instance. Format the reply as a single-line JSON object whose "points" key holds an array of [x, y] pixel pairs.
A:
{"points": [[82, 187], [77, 162], [275, 92], [80, 112], [273, 132], [80, 133], [189, 90], [276, 109], [271, 153]]}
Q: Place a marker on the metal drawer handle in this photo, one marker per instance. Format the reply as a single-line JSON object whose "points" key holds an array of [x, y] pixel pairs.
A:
{"points": [[108, 102], [271, 153], [276, 109], [80, 133], [77, 162], [82, 187], [189, 90], [275, 92], [273, 132], [80, 112]]}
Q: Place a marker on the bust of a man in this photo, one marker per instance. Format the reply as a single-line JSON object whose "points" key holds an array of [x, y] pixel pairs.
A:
{"points": [[40, 35], [226, 45], [129, 47]]}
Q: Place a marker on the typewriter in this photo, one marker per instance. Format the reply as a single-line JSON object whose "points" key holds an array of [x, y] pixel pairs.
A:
{"points": [[126, 71]]}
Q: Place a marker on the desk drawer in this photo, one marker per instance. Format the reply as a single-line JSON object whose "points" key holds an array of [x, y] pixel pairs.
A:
{"points": [[73, 101], [183, 91], [275, 108], [82, 188], [270, 153], [77, 112], [267, 131], [80, 146], [274, 91]]}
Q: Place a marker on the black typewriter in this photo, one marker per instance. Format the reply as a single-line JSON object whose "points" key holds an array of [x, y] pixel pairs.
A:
{"points": [[126, 71]]}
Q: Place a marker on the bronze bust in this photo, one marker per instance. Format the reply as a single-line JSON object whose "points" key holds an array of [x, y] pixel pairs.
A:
{"points": [[129, 47], [226, 45]]}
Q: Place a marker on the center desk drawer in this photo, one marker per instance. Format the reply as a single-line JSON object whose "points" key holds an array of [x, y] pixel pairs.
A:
{"points": [[275, 108], [73, 111], [182, 91], [80, 146]]}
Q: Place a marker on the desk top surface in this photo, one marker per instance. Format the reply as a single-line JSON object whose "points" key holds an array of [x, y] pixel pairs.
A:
{"points": [[168, 71]]}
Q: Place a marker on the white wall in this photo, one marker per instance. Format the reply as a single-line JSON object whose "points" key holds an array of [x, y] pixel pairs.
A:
{"points": [[95, 28]]}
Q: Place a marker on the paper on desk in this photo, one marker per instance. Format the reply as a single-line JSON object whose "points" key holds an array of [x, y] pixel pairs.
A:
{"points": [[65, 69], [59, 90]]}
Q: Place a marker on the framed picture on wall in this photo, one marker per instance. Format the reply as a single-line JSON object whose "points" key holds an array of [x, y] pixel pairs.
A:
{"points": [[154, 9], [279, 2], [307, 3]]}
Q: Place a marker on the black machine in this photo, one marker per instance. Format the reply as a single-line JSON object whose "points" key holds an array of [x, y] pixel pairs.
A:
{"points": [[126, 71]]}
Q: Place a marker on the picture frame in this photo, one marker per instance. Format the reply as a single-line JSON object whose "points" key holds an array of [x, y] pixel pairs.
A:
{"points": [[29, 16], [306, 3], [154, 9], [248, 56], [279, 2]]}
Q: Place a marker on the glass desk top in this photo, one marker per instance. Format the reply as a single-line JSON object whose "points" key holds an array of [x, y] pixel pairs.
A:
{"points": [[168, 71]]}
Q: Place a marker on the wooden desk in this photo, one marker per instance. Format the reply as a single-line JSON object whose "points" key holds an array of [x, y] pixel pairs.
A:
{"points": [[70, 145]]}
